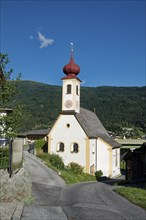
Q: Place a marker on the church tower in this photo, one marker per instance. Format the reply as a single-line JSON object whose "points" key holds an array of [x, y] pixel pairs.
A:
{"points": [[71, 87]]}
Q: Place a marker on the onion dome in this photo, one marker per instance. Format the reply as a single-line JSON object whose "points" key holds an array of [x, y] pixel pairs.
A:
{"points": [[71, 68]]}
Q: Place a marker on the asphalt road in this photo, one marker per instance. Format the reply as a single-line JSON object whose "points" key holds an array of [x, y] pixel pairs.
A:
{"points": [[84, 201]]}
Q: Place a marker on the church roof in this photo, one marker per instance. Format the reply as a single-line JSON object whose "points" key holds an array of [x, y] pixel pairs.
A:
{"points": [[71, 68], [93, 126]]}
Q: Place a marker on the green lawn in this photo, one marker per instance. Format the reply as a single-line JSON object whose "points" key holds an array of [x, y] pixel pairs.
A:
{"points": [[66, 174], [135, 195], [71, 178]]}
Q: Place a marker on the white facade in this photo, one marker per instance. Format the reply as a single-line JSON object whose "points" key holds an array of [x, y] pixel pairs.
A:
{"points": [[94, 154], [68, 131], [71, 95], [73, 141], [115, 162], [103, 157]]}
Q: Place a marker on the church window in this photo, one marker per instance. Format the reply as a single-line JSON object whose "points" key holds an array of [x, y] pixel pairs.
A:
{"points": [[60, 147], [77, 90], [116, 158], [68, 125], [69, 89], [93, 149], [74, 148]]}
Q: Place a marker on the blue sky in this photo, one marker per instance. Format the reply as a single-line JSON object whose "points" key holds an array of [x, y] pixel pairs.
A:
{"points": [[108, 36]]}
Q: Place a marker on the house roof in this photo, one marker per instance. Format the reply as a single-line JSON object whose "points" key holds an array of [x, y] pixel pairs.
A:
{"points": [[140, 150], [42, 132], [93, 127], [6, 110]]}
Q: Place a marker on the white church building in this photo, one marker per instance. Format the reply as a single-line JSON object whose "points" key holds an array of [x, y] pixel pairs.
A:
{"points": [[78, 135]]}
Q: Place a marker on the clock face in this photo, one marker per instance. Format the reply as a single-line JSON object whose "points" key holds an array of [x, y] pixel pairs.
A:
{"points": [[68, 103]]}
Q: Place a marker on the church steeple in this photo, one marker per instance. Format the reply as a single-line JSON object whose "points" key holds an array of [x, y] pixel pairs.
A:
{"points": [[71, 86], [71, 69]]}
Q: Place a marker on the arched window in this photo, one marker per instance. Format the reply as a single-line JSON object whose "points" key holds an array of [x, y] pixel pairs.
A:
{"points": [[60, 147], [74, 148], [69, 89]]}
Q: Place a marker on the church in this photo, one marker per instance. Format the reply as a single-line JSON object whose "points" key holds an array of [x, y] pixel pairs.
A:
{"points": [[78, 135]]}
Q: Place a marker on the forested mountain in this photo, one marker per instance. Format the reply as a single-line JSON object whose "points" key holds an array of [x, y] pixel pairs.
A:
{"points": [[115, 106]]}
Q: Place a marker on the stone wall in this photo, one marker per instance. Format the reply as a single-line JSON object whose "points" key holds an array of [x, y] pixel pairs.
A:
{"points": [[17, 154], [15, 188]]}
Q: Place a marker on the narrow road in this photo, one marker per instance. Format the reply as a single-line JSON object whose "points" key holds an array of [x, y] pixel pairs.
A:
{"points": [[46, 189], [84, 201]]}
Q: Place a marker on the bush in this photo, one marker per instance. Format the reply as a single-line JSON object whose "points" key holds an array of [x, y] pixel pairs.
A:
{"points": [[75, 168], [56, 161], [98, 174], [4, 158], [39, 143], [38, 146]]}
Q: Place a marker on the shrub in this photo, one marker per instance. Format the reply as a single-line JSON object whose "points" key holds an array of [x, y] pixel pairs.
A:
{"points": [[56, 161], [75, 168], [38, 145], [98, 174]]}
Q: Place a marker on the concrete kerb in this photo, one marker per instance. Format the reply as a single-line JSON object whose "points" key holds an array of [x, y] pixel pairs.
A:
{"points": [[11, 210], [18, 211]]}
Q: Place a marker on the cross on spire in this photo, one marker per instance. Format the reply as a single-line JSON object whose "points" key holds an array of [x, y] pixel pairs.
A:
{"points": [[72, 47]]}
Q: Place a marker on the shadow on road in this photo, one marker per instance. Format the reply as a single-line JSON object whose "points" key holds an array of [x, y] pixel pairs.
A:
{"points": [[121, 181]]}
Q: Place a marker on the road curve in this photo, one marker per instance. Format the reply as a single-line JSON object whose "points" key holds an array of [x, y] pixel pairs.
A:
{"points": [[97, 201], [83, 201]]}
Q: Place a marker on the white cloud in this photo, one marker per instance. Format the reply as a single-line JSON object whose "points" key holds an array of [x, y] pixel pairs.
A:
{"points": [[44, 41], [31, 37], [83, 82]]}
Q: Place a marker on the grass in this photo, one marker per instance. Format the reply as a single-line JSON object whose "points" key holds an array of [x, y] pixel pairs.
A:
{"points": [[135, 195], [71, 178], [123, 165], [4, 158], [66, 174], [28, 200]]}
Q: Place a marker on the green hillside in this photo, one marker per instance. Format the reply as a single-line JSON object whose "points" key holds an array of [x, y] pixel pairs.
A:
{"points": [[115, 106]]}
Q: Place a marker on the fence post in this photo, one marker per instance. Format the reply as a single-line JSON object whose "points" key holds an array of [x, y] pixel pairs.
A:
{"points": [[10, 158]]}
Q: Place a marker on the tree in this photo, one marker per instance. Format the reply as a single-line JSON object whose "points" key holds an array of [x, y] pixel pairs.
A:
{"points": [[10, 123]]}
